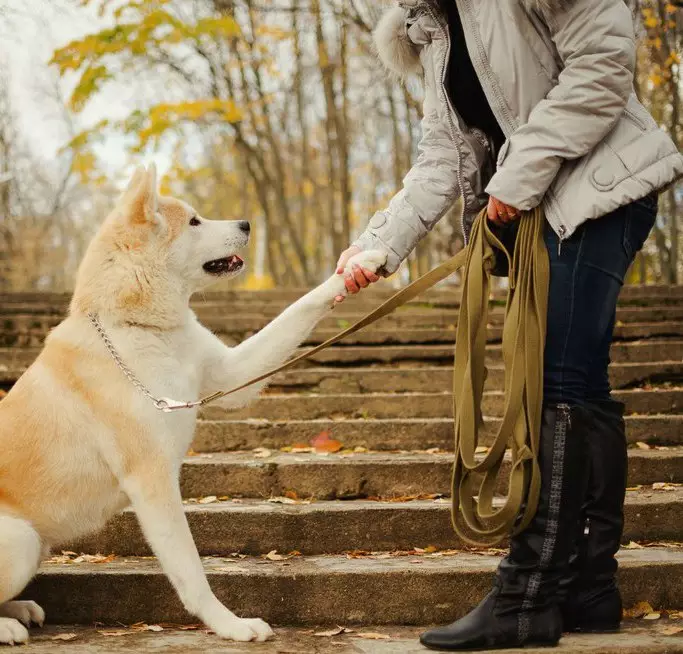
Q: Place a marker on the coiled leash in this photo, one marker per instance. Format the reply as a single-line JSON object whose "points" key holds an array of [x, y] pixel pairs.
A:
{"points": [[474, 517]]}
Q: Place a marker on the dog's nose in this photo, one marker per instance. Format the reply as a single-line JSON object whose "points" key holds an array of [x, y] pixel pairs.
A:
{"points": [[245, 226]]}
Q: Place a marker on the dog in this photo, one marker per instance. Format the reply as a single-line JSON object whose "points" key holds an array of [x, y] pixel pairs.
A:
{"points": [[82, 435]]}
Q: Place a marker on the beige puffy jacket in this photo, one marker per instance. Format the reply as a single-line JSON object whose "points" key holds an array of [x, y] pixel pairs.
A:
{"points": [[558, 75]]}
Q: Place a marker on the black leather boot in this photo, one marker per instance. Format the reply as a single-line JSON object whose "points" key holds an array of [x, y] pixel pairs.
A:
{"points": [[522, 609], [592, 599]]}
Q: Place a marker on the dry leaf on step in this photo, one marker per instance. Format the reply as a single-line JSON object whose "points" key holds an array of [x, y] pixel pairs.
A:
{"points": [[369, 635], [274, 556], [65, 637], [639, 610], [323, 444], [114, 632], [672, 631], [338, 631], [652, 616]]}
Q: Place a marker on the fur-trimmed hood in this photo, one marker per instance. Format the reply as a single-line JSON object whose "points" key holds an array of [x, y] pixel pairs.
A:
{"points": [[401, 57]]}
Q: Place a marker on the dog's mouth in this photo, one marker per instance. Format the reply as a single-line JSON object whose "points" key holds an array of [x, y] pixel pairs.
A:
{"points": [[224, 266]]}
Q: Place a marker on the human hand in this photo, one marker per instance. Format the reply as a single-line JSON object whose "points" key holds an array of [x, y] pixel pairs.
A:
{"points": [[359, 278], [500, 213]]}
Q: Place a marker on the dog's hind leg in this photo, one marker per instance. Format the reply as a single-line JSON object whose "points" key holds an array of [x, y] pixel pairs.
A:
{"points": [[20, 552]]}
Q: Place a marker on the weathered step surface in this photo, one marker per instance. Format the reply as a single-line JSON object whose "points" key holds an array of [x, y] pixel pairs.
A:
{"points": [[434, 379], [413, 405], [444, 295], [222, 319], [380, 335], [254, 527], [636, 637], [389, 434], [365, 475], [318, 590], [419, 354]]}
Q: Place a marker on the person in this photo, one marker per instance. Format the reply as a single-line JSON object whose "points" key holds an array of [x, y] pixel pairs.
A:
{"points": [[528, 103]]}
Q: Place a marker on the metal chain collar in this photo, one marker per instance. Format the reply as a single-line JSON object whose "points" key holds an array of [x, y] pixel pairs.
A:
{"points": [[164, 404]]}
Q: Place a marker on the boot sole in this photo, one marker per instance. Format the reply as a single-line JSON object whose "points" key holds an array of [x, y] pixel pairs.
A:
{"points": [[487, 649]]}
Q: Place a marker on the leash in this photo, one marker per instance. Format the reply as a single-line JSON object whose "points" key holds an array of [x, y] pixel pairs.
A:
{"points": [[474, 517]]}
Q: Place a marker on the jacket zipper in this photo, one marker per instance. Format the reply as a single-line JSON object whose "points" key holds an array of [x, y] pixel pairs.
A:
{"points": [[450, 112]]}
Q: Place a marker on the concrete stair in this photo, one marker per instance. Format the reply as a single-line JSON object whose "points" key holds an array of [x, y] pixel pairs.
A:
{"points": [[361, 536]]}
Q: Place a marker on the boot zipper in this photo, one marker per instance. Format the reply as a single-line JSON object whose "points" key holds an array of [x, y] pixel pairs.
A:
{"points": [[564, 419]]}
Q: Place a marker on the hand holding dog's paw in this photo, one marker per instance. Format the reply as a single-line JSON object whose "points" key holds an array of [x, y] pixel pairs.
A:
{"points": [[371, 260], [12, 632], [359, 271], [244, 630]]}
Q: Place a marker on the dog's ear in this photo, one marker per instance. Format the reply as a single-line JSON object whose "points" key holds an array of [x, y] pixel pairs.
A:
{"points": [[140, 199]]}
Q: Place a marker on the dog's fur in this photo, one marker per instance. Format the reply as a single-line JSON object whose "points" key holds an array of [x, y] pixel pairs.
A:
{"points": [[79, 442]]}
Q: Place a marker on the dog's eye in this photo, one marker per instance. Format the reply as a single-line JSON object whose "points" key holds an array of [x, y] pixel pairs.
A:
{"points": [[194, 221]]}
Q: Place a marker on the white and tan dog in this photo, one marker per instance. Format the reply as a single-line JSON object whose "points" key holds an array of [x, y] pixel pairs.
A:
{"points": [[80, 442]]}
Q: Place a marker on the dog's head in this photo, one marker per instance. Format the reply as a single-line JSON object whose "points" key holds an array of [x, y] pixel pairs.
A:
{"points": [[151, 244]]}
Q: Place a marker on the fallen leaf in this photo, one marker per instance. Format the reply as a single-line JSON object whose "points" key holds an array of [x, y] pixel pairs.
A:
{"points": [[369, 635], [322, 443], [652, 616], [633, 546], [262, 453], [274, 556], [154, 627], [209, 499], [481, 450], [642, 446], [66, 637], [282, 500], [299, 448], [114, 632], [672, 631], [639, 610], [291, 495], [331, 632]]}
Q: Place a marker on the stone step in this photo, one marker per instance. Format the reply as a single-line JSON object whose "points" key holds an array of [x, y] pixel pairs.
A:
{"points": [[439, 379], [224, 318], [636, 637], [15, 358], [387, 435], [413, 405], [256, 527], [381, 335], [331, 590], [624, 352], [228, 321], [365, 475], [445, 293]]}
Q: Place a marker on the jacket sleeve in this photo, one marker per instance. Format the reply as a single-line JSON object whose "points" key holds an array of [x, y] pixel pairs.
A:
{"points": [[595, 40], [429, 190]]}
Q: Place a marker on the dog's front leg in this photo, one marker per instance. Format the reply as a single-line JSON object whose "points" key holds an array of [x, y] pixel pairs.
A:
{"points": [[156, 499], [230, 367]]}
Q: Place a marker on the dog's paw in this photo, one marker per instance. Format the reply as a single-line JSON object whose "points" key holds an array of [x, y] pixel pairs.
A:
{"points": [[12, 632], [371, 260], [25, 612], [244, 630]]}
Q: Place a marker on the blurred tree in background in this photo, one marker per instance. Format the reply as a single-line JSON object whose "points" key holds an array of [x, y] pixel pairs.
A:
{"points": [[271, 110]]}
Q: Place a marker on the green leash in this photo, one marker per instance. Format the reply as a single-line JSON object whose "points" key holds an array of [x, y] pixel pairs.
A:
{"points": [[474, 518]]}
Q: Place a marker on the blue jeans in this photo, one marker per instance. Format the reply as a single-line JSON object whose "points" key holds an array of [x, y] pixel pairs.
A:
{"points": [[586, 276]]}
